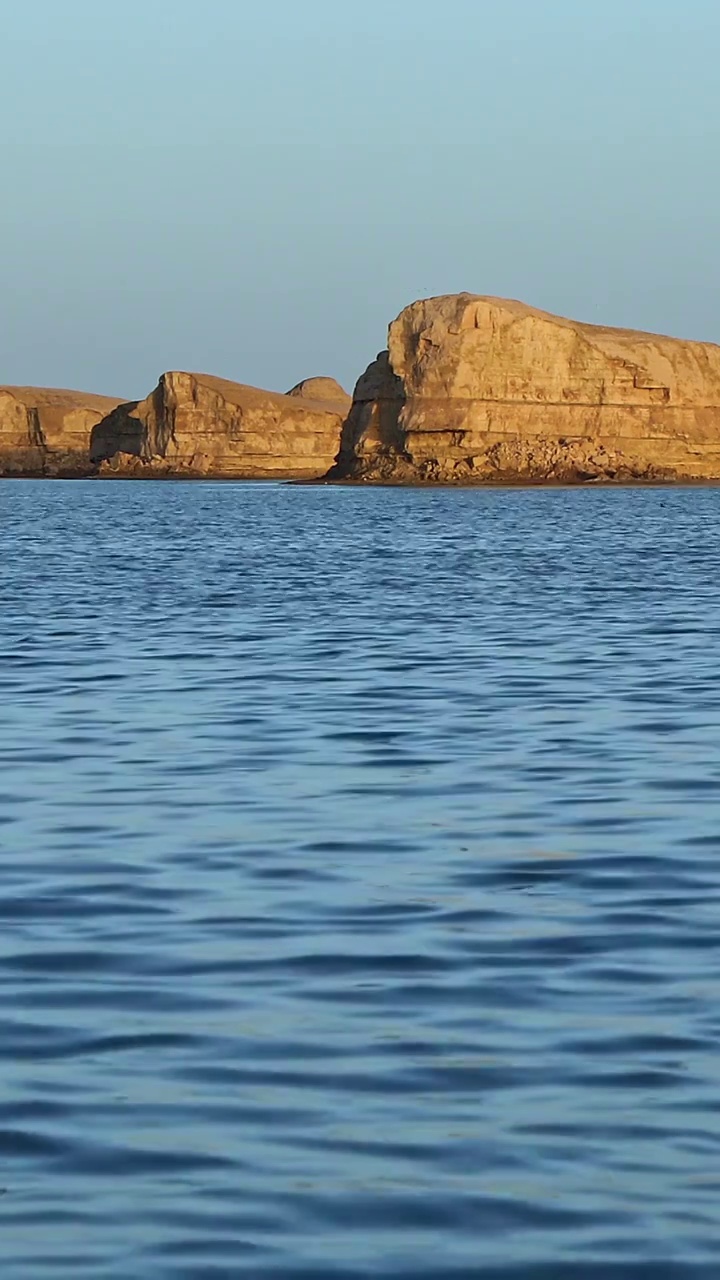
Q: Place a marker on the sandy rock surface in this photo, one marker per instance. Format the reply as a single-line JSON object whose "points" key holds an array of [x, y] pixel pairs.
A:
{"points": [[198, 425], [473, 389], [47, 432]]}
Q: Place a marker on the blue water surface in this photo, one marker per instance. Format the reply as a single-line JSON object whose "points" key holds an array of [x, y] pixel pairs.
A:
{"points": [[360, 896]]}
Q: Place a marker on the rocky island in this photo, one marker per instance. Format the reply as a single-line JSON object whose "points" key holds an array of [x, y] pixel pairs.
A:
{"points": [[193, 424], [475, 389], [45, 432], [470, 390]]}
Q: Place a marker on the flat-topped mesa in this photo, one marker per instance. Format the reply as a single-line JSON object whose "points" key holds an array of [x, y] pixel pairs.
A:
{"points": [[194, 424], [473, 389], [44, 431]]}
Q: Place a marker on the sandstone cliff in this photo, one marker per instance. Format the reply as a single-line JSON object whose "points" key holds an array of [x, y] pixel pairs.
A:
{"points": [[473, 389], [47, 432], [197, 425]]}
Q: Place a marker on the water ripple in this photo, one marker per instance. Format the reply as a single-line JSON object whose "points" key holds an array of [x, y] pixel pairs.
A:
{"points": [[361, 883]]}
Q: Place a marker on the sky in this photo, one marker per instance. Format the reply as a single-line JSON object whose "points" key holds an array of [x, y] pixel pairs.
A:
{"points": [[256, 190]]}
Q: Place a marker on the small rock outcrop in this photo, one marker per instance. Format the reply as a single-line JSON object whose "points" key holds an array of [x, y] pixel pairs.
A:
{"points": [[194, 424], [46, 432], [474, 389], [326, 390]]}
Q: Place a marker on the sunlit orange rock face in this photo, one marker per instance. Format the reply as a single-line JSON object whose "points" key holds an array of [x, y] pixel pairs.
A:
{"points": [[475, 389], [47, 432], [197, 425]]}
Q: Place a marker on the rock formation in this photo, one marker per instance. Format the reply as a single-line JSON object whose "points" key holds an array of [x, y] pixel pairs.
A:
{"points": [[197, 425], [47, 432], [325, 389], [473, 389]]}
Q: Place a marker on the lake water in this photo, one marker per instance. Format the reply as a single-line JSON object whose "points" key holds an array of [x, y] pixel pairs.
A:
{"points": [[360, 897]]}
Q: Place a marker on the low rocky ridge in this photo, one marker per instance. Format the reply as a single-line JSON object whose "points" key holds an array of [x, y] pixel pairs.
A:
{"points": [[474, 389], [471, 389], [194, 424], [44, 432]]}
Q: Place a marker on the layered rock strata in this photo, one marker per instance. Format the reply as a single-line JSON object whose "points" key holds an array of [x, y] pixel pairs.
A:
{"points": [[197, 425], [47, 432], [473, 389]]}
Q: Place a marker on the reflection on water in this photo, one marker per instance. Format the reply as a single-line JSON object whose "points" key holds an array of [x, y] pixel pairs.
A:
{"points": [[361, 877]]}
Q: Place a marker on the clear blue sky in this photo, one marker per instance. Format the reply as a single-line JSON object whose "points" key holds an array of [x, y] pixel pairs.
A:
{"points": [[256, 189]]}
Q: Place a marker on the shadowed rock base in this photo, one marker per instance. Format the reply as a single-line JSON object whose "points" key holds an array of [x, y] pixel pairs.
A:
{"points": [[474, 390]]}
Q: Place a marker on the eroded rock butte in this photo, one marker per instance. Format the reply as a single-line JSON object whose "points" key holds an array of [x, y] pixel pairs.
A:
{"points": [[47, 432], [474, 389], [197, 425]]}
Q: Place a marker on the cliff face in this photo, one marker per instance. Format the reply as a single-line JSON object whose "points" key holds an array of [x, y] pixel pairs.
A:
{"points": [[197, 425], [478, 389], [47, 432]]}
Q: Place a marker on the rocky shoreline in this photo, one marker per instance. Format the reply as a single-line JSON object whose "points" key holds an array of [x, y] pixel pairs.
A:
{"points": [[470, 391]]}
